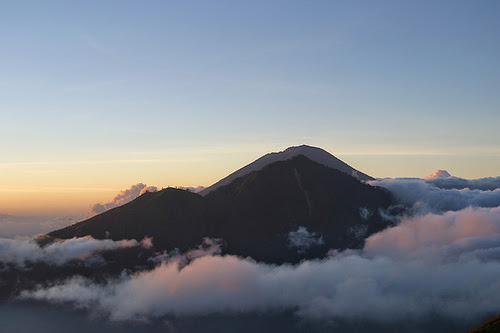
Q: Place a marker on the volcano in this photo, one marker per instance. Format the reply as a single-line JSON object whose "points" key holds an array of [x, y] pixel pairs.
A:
{"points": [[291, 208]]}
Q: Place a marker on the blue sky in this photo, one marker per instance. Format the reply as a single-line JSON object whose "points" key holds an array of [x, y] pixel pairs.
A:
{"points": [[95, 96]]}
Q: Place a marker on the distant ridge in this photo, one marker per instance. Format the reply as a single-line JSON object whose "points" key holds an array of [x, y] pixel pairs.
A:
{"points": [[315, 154]]}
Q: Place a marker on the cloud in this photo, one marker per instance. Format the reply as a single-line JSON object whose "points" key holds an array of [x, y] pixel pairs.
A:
{"points": [[484, 184], [147, 242], [365, 213], [91, 42], [194, 189], [425, 198], [302, 239], [28, 226], [444, 260], [209, 247], [433, 264], [442, 179], [348, 287], [470, 232], [123, 197], [19, 252], [359, 231]]}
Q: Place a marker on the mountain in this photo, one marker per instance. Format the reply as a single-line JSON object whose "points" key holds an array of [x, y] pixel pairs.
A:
{"points": [[287, 211], [439, 174], [313, 153], [490, 326]]}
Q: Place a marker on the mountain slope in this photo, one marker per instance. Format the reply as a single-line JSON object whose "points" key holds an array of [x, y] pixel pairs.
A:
{"points": [[263, 207], [313, 153], [172, 216], [490, 326], [253, 214]]}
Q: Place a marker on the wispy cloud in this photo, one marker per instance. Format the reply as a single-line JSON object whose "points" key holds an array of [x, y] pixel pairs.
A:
{"points": [[123, 197], [93, 44], [98, 162], [93, 162], [20, 252]]}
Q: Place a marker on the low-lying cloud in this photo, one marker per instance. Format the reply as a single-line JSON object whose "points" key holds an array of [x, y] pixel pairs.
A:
{"points": [[443, 260], [28, 226], [432, 264], [209, 247], [470, 232], [302, 239], [20, 252], [484, 184], [194, 189], [425, 197], [443, 179], [122, 198]]}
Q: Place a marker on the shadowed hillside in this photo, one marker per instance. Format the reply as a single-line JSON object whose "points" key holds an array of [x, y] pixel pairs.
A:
{"points": [[254, 214], [490, 326]]}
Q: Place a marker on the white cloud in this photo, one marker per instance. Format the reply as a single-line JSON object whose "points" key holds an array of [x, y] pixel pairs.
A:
{"points": [[347, 286], [485, 184], [444, 260], [434, 264], [427, 198], [468, 232], [20, 252], [123, 197], [209, 247], [194, 189], [302, 239]]}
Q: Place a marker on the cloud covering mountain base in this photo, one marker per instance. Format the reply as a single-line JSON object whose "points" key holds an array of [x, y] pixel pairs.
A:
{"points": [[443, 261], [446, 265]]}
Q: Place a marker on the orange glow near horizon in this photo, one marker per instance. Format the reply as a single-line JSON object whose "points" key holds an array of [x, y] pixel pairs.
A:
{"points": [[71, 187]]}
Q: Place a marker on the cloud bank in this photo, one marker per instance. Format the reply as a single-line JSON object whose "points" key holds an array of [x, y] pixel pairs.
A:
{"points": [[484, 184], [20, 252], [425, 197], [444, 260], [432, 264], [443, 179], [472, 232], [122, 198], [28, 226]]}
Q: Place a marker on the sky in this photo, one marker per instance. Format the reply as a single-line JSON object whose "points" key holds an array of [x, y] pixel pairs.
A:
{"points": [[97, 96]]}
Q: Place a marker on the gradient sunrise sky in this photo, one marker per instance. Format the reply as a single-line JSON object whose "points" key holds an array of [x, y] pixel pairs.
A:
{"points": [[99, 95]]}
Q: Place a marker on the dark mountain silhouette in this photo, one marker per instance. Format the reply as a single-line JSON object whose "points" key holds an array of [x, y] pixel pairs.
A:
{"points": [[260, 209], [253, 214]]}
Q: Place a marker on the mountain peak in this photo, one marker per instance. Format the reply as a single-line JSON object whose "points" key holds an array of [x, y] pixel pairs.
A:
{"points": [[439, 174], [299, 150], [313, 153]]}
